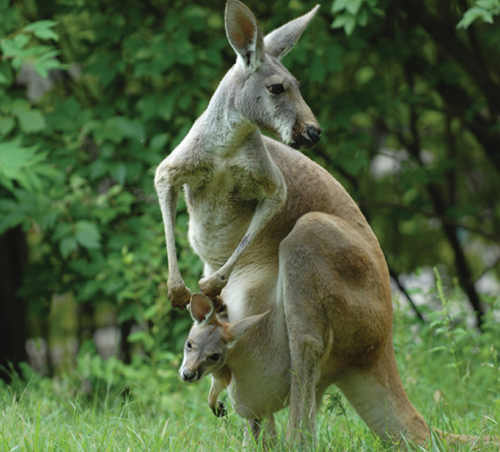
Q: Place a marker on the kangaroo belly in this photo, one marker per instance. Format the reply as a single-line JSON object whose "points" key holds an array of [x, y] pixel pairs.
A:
{"points": [[261, 397]]}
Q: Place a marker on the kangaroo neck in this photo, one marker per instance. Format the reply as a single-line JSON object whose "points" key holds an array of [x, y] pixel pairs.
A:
{"points": [[221, 130]]}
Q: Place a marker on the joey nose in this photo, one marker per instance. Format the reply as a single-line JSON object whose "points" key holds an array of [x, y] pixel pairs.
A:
{"points": [[189, 375], [314, 132]]}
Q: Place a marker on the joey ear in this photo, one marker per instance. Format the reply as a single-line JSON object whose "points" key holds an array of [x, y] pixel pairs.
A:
{"points": [[280, 41], [237, 329], [244, 35], [201, 309]]}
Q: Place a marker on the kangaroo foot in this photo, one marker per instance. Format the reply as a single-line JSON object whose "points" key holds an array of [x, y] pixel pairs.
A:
{"points": [[179, 295]]}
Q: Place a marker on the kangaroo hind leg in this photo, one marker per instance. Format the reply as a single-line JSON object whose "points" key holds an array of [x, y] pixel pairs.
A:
{"points": [[331, 285]]}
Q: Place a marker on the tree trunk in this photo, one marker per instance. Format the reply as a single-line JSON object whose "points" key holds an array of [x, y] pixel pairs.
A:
{"points": [[13, 334]]}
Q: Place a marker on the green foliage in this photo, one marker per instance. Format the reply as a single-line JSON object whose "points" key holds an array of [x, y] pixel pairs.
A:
{"points": [[20, 49], [483, 9], [77, 161], [350, 13]]}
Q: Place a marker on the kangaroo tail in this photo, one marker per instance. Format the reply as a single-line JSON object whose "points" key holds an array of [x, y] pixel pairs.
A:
{"points": [[482, 443]]}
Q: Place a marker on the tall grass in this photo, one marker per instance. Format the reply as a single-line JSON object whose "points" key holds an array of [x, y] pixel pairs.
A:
{"points": [[450, 371]]}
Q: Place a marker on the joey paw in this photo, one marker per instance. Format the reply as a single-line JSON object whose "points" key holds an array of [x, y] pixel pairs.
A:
{"points": [[218, 304], [179, 296], [220, 409], [212, 286]]}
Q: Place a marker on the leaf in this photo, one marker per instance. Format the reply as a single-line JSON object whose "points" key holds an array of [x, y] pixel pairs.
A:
{"points": [[6, 124], [89, 290], [42, 67], [348, 21], [474, 13], [12, 214], [16, 161], [13, 47], [119, 172], [363, 18], [42, 29], [437, 349], [353, 6], [3, 79], [87, 234], [349, 25], [339, 5], [86, 268], [31, 121], [62, 229], [6, 77], [158, 142], [137, 336], [40, 24], [365, 74], [67, 246], [151, 312], [130, 311], [488, 4]]}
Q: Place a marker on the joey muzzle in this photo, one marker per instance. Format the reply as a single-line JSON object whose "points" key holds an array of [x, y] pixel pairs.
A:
{"points": [[189, 376]]}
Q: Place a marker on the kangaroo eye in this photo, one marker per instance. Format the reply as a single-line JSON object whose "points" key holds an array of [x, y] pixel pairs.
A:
{"points": [[188, 345], [276, 89], [214, 357]]}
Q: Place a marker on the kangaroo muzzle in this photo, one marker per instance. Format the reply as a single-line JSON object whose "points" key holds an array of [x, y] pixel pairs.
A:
{"points": [[306, 137], [314, 133]]}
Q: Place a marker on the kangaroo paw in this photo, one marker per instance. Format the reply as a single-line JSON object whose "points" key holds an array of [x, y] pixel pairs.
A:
{"points": [[212, 286], [179, 296], [220, 410]]}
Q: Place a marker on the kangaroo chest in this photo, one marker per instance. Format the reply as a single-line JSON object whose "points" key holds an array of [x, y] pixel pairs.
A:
{"points": [[221, 203]]}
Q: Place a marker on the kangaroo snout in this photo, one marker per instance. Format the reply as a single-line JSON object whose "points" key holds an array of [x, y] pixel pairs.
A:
{"points": [[189, 375], [314, 132], [305, 135]]}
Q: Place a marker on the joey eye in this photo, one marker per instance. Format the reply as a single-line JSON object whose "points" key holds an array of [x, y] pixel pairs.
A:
{"points": [[214, 357], [276, 89], [189, 346]]}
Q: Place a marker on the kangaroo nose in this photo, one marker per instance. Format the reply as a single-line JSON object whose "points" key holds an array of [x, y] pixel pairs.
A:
{"points": [[314, 132], [189, 375]]}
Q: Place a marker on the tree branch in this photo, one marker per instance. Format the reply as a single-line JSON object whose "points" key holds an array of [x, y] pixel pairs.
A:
{"points": [[395, 277]]}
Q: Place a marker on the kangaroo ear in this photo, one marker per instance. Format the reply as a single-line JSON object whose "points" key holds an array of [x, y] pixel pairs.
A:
{"points": [[280, 41], [201, 309], [244, 35], [237, 329]]}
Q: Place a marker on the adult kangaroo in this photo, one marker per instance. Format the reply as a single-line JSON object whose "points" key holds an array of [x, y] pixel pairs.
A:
{"points": [[277, 232]]}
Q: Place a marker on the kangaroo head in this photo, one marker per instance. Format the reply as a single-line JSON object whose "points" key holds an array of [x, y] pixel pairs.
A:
{"points": [[266, 93], [207, 347]]}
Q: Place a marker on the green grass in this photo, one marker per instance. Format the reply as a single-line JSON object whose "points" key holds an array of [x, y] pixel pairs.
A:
{"points": [[451, 374]]}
